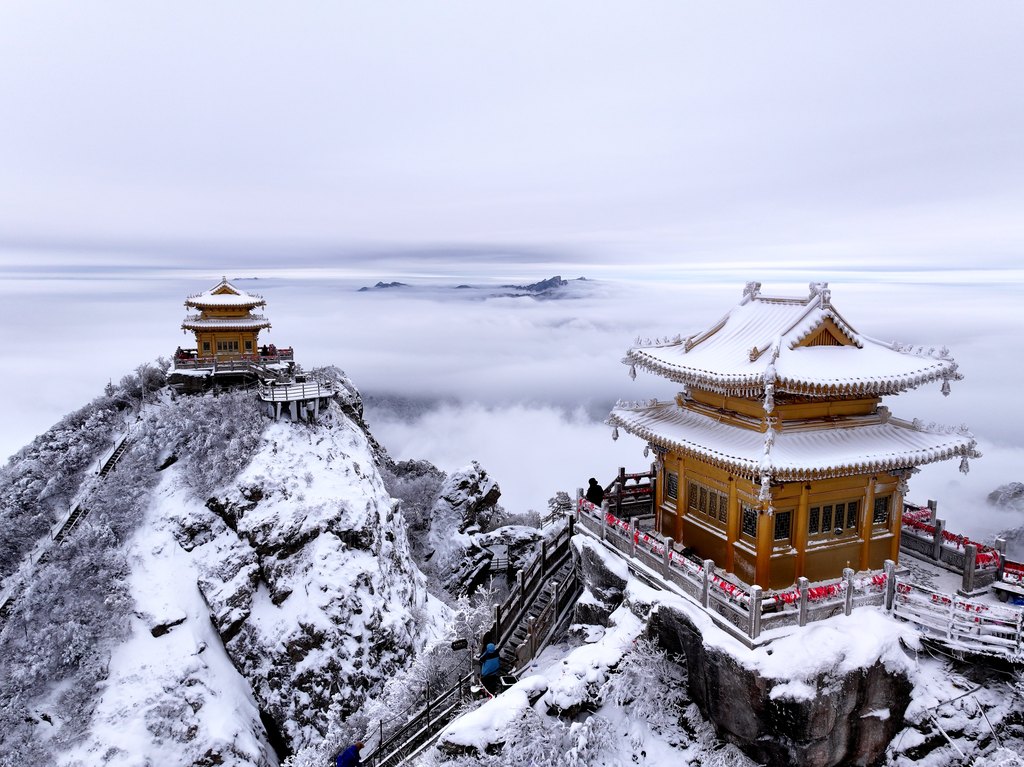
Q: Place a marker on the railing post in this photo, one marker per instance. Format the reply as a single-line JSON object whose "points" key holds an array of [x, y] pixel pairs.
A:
{"points": [[933, 508], [632, 538], [579, 497], [666, 555], [531, 636], [705, 587], [940, 526], [604, 520], [890, 585], [553, 604], [572, 526], [621, 488], [848, 580], [1000, 546], [970, 565], [497, 623], [803, 586], [755, 612], [521, 583]]}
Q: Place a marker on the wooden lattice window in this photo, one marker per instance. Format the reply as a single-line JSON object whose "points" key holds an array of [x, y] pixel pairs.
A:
{"points": [[748, 525], [826, 519], [851, 515], [880, 515], [783, 525]]}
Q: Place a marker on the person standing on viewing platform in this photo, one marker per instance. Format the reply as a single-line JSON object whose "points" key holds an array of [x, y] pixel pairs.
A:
{"points": [[595, 493]]}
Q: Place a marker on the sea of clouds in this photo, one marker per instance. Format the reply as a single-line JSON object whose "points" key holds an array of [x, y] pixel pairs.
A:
{"points": [[520, 384]]}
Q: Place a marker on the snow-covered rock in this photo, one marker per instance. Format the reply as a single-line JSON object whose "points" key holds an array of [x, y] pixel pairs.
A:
{"points": [[467, 497], [1009, 496], [833, 693], [305, 564]]}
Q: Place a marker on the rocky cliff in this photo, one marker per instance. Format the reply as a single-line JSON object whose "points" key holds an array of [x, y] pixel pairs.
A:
{"points": [[834, 693], [237, 585]]}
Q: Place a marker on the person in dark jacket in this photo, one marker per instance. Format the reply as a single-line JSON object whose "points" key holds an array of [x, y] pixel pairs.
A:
{"points": [[595, 493], [490, 668], [350, 756]]}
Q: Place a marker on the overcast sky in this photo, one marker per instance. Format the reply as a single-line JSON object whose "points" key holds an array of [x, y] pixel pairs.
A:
{"points": [[655, 133]]}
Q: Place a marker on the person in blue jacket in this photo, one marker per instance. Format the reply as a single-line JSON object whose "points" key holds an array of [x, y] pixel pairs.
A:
{"points": [[490, 668], [350, 756]]}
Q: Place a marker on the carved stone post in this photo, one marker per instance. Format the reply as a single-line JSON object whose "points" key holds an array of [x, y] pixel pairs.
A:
{"points": [[632, 537], [665, 557], [890, 584], [621, 488], [933, 508], [705, 587], [970, 565], [803, 586], [755, 612], [848, 580], [940, 526]]}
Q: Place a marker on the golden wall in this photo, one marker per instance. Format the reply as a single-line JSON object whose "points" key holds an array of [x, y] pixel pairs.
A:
{"points": [[816, 530]]}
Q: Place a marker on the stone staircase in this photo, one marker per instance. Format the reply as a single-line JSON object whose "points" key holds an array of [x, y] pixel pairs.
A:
{"points": [[510, 655]]}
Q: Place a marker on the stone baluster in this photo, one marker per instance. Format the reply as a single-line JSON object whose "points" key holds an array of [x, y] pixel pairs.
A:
{"points": [[803, 586]]}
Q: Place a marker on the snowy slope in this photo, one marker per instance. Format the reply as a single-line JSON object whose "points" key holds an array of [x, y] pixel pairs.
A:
{"points": [[237, 585], [175, 697], [305, 563]]}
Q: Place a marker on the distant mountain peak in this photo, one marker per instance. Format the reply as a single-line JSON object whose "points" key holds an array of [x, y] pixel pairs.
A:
{"points": [[383, 285]]}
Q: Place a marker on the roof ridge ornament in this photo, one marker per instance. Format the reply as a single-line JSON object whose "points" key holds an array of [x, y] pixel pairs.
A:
{"points": [[820, 289], [751, 291]]}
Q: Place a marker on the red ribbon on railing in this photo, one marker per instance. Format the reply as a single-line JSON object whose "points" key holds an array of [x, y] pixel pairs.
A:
{"points": [[915, 520]]}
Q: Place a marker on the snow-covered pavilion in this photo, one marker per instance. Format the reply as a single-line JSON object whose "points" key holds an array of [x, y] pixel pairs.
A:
{"points": [[225, 326], [777, 459]]}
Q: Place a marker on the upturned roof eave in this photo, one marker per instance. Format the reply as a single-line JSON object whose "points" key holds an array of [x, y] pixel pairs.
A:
{"points": [[752, 469], [206, 325], [746, 382], [210, 303]]}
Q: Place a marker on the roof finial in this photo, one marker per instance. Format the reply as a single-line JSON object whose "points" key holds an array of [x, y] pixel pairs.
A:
{"points": [[751, 289], [820, 289]]}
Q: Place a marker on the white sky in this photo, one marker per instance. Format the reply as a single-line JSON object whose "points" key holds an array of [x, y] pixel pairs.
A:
{"points": [[658, 132], [147, 149]]}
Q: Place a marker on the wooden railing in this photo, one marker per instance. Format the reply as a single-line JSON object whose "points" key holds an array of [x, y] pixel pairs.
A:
{"points": [[631, 494]]}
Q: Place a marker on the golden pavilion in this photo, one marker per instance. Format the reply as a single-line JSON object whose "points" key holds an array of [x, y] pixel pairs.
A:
{"points": [[225, 326], [777, 459]]}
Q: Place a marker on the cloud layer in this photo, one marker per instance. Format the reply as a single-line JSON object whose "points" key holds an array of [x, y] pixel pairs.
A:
{"points": [[520, 384]]}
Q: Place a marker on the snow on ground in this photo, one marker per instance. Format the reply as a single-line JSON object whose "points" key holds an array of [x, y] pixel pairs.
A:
{"points": [[174, 698], [606, 702]]}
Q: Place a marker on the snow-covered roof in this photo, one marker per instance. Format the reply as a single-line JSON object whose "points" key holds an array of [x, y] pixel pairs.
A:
{"points": [[799, 450], [795, 345], [224, 295], [251, 322]]}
